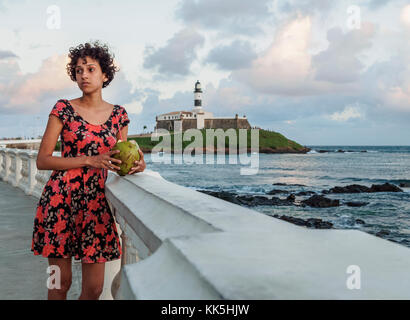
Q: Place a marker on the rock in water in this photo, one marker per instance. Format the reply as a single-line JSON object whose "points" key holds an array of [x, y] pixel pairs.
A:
{"points": [[356, 204], [385, 187], [318, 201], [128, 155]]}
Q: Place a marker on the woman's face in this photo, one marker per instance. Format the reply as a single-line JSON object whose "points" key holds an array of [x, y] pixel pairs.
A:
{"points": [[89, 75]]}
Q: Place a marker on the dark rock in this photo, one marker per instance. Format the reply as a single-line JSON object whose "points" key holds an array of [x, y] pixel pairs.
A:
{"points": [[382, 233], [353, 188], [318, 201], [357, 188], [405, 185], [363, 151], [359, 221], [340, 150], [356, 204], [262, 201], [291, 197], [310, 223], [224, 195], [318, 224], [322, 151], [275, 191], [385, 187], [297, 221], [305, 193], [254, 200], [285, 184]]}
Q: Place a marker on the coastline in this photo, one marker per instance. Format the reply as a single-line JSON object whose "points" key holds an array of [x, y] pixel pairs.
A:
{"points": [[248, 150]]}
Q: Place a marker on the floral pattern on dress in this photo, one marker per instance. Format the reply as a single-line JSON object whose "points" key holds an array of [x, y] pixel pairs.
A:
{"points": [[73, 218]]}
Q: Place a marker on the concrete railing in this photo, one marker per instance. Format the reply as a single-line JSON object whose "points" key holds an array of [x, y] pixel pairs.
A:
{"points": [[182, 244]]}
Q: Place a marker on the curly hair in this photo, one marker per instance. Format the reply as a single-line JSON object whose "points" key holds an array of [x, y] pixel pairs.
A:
{"points": [[97, 51]]}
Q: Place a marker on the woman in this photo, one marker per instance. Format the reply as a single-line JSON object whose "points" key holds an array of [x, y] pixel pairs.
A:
{"points": [[73, 217]]}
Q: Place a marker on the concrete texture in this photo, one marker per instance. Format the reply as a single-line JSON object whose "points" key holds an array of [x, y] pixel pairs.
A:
{"points": [[23, 275]]}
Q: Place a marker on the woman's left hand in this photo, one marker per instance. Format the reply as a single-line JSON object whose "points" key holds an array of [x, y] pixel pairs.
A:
{"points": [[140, 165]]}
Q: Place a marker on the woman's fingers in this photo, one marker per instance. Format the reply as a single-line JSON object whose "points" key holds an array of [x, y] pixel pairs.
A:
{"points": [[111, 166]]}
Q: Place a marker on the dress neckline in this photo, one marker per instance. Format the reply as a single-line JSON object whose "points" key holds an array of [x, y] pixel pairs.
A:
{"points": [[95, 125]]}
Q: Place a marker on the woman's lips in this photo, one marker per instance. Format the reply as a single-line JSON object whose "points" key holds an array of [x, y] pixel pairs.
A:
{"points": [[86, 83]]}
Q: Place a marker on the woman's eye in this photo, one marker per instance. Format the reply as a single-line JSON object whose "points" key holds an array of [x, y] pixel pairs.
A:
{"points": [[91, 69], [78, 70]]}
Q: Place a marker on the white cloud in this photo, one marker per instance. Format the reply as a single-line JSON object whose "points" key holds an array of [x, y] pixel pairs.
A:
{"points": [[51, 78], [176, 57], [134, 107], [285, 65], [349, 112], [405, 16]]}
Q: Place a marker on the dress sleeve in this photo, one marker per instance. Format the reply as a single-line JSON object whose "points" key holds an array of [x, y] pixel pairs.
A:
{"points": [[124, 121], [60, 111]]}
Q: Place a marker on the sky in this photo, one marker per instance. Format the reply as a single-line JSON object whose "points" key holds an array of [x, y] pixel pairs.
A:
{"points": [[319, 72]]}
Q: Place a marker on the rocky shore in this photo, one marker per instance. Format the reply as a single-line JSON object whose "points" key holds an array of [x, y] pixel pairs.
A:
{"points": [[314, 200]]}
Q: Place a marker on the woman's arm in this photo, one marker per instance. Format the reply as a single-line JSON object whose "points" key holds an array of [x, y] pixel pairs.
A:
{"points": [[124, 134], [45, 160]]}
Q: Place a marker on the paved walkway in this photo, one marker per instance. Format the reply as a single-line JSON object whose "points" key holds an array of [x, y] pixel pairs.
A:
{"points": [[22, 275]]}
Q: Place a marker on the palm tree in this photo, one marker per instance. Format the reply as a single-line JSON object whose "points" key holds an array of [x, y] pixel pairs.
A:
{"points": [[145, 127]]}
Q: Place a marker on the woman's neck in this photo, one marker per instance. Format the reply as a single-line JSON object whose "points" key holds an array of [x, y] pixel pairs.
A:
{"points": [[92, 100]]}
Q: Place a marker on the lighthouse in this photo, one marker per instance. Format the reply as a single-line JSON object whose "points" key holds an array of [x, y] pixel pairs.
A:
{"points": [[198, 98]]}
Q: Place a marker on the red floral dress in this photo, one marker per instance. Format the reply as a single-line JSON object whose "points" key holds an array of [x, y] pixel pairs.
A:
{"points": [[73, 218]]}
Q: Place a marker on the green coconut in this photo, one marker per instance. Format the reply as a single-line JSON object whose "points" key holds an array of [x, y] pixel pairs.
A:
{"points": [[128, 155]]}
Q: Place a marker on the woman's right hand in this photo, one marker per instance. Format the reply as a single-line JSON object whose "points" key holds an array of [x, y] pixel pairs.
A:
{"points": [[104, 161]]}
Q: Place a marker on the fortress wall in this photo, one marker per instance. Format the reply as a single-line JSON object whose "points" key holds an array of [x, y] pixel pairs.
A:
{"points": [[227, 123], [188, 124], [165, 124], [209, 124]]}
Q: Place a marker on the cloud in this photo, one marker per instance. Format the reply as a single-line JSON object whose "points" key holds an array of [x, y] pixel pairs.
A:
{"points": [[282, 68], [227, 99], [176, 57], [305, 7], [238, 54], [376, 4], [349, 112], [38, 92], [6, 54], [339, 63], [287, 67], [134, 107], [405, 16], [231, 16]]}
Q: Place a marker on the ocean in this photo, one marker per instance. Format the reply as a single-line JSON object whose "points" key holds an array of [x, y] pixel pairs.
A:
{"points": [[386, 214]]}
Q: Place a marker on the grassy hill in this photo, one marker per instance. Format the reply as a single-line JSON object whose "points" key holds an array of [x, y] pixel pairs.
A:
{"points": [[269, 142]]}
